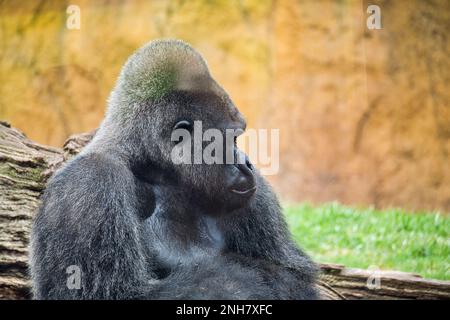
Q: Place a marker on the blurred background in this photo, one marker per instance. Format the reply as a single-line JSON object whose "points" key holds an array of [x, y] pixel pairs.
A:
{"points": [[364, 115]]}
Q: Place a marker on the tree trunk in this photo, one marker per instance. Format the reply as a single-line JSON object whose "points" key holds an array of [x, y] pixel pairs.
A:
{"points": [[25, 167]]}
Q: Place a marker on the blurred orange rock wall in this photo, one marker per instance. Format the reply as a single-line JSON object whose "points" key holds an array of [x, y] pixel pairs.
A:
{"points": [[364, 115]]}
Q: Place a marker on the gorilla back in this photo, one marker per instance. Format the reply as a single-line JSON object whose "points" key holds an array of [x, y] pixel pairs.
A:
{"points": [[133, 222]]}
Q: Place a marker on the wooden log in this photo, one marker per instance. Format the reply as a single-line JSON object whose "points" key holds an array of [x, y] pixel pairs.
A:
{"points": [[381, 285], [25, 167]]}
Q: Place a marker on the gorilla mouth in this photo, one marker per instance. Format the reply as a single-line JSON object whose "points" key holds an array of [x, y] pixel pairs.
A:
{"points": [[244, 192]]}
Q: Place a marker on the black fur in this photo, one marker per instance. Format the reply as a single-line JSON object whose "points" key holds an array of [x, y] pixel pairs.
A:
{"points": [[140, 227]]}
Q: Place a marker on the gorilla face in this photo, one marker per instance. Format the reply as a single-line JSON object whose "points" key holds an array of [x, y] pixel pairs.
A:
{"points": [[166, 86], [217, 187]]}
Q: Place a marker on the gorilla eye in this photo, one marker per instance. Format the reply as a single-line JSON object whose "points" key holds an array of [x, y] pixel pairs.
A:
{"points": [[183, 124]]}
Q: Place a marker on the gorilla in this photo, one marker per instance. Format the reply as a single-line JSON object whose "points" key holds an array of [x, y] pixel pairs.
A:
{"points": [[139, 226]]}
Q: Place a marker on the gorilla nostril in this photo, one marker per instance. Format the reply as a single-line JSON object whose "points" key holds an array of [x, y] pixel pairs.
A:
{"points": [[243, 163], [248, 164]]}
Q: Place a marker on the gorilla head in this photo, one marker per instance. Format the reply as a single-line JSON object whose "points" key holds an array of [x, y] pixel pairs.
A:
{"points": [[166, 86]]}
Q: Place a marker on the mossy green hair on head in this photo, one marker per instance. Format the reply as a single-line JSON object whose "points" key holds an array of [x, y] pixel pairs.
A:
{"points": [[158, 68]]}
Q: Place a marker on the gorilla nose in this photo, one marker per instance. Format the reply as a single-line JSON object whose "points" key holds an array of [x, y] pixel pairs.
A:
{"points": [[245, 182], [246, 168]]}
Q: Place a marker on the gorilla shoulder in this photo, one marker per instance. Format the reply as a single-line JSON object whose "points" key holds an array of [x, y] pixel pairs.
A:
{"points": [[98, 167], [89, 181], [88, 218]]}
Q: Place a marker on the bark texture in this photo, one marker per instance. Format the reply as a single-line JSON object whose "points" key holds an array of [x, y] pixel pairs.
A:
{"points": [[25, 167]]}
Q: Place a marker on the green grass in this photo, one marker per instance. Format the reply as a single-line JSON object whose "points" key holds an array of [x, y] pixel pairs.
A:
{"points": [[363, 238]]}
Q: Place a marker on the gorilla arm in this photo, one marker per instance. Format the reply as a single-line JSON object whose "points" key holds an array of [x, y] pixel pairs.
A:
{"points": [[89, 219]]}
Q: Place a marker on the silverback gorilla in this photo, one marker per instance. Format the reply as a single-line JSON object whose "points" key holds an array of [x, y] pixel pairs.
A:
{"points": [[138, 226]]}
